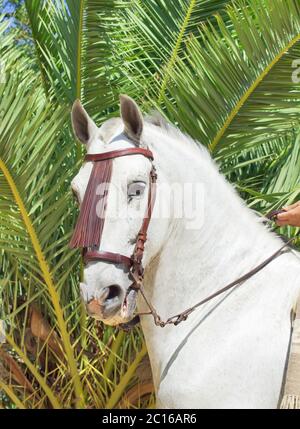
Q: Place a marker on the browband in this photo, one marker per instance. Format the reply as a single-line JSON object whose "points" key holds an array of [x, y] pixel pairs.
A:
{"points": [[117, 153]]}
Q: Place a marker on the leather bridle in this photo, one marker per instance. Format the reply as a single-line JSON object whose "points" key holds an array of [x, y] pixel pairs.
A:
{"points": [[133, 264], [85, 238]]}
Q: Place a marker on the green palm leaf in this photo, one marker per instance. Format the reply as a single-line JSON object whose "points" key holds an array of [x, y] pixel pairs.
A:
{"points": [[158, 32], [37, 161], [74, 49], [240, 87], [28, 137]]}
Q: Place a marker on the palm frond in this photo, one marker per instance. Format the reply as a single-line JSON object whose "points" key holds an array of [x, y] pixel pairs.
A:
{"points": [[28, 138], [67, 359], [158, 33], [240, 87]]}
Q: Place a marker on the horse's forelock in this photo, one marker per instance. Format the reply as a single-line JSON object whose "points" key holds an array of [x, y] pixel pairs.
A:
{"points": [[109, 128]]}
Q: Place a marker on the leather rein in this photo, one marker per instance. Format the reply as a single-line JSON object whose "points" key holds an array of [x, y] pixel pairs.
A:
{"points": [[134, 263]]}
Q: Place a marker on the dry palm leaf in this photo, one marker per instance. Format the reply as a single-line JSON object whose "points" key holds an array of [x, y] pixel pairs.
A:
{"points": [[133, 397], [41, 329], [15, 370]]}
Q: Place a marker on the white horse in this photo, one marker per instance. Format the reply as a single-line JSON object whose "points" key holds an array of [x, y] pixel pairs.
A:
{"points": [[230, 353]]}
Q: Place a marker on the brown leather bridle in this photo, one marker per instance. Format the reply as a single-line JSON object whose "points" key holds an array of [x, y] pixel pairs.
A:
{"points": [[132, 263], [85, 237]]}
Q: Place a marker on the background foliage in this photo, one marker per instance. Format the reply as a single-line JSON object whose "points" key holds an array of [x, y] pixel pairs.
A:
{"points": [[226, 72]]}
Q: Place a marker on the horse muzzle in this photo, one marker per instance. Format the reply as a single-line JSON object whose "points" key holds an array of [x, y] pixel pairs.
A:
{"points": [[110, 304]]}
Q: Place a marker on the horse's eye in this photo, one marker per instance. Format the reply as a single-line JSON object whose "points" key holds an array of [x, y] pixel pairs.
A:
{"points": [[136, 189]]}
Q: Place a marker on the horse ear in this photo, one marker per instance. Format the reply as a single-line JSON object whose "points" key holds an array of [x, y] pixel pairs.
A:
{"points": [[84, 127], [132, 118]]}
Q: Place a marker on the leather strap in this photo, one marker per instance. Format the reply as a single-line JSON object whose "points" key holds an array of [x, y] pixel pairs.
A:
{"points": [[138, 253], [115, 258], [181, 317], [274, 213], [118, 153]]}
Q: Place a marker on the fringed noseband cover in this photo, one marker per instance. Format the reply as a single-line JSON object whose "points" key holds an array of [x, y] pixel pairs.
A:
{"points": [[89, 226]]}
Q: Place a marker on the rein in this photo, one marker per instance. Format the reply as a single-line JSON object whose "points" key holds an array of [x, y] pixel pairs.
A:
{"points": [[181, 317], [89, 228]]}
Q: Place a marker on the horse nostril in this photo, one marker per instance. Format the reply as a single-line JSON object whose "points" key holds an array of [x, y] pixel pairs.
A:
{"points": [[105, 303], [114, 291]]}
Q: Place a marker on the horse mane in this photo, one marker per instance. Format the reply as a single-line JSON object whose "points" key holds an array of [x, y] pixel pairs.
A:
{"points": [[156, 119]]}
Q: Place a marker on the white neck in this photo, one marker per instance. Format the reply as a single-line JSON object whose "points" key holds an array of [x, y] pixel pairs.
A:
{"points": [[195, 263]]}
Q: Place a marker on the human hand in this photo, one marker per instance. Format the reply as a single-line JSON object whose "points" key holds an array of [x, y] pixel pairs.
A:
{"points": [[291, 215]]}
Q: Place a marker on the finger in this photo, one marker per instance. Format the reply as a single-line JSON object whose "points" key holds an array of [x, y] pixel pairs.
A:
{"points": [[283, 217], [292, 206], [291, 217], [294, 216], [281, 223]]}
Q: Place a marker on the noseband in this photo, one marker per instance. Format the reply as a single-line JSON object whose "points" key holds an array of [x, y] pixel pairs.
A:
{"points": [[89, 227]]}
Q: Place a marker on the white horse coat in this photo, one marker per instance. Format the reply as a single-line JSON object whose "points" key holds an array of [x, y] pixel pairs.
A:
{"points": [[231, 352]]}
